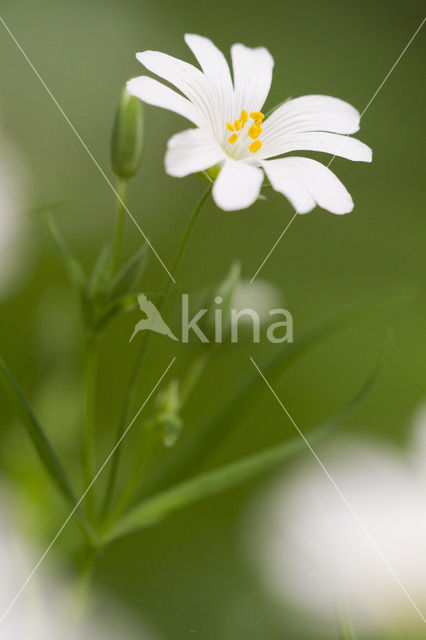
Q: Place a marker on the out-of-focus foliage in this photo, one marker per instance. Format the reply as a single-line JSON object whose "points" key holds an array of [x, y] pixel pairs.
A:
{"points": [[189, 573]]}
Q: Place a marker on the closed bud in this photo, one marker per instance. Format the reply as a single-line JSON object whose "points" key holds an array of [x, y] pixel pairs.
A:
{"points": [[127, 137]]}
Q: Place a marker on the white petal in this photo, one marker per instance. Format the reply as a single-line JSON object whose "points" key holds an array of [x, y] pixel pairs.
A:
{"points": [[216, 69], [252, 76], [284, 180], [153, 92], [211, 60], [191, 151], [325, 188], [333, 143], [188, 79], [312, 113], [237, 185]]}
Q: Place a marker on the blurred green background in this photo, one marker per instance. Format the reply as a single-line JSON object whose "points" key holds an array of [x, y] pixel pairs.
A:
{"points": [[189, 577]]}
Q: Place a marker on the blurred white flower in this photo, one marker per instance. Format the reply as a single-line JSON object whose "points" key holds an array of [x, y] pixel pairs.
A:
{"points": [[261, 296], [46, 610], [13, 195], [233, 136], [314, 556]]}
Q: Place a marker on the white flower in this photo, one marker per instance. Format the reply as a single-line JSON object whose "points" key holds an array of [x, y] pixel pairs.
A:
{"points": [[14, 250], [261, 296], [48, 607], [314, 555], [233, 134]]}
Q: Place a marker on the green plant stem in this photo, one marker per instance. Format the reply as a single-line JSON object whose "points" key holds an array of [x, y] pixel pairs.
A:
{"points": [[90, 426], [148, 452], [151, 437], [134, 379], [119, 228]]}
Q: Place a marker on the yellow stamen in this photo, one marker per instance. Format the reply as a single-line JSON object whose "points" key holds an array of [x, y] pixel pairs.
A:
{"points": [[230, 126], [237, 125], [255, 131], [257, 115], [255, 146], [244, 116], [233, 138]]}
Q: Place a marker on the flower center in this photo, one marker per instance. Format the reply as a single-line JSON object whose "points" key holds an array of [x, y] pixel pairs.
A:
{"points": [[254, 131]]}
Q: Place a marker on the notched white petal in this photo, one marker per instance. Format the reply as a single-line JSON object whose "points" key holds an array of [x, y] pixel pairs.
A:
{"points": [[285, 181], [321, 183], [191, 151], [192, 82], [313, 113], [210, 58], [335, 144], [237, 185], [153, 92], [252, 76]]}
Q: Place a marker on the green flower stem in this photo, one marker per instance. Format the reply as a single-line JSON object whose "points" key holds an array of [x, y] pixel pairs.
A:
{"points": [[134, 379], [90, 427], [149, 448], [188, 231], [151, 438], [119, 228]]}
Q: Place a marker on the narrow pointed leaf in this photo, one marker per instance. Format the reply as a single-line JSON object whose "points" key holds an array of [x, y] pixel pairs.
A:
{"points": [[153, 509], [99, 272], [199, 444], [125, 278], [36, 433], [74, 269]]}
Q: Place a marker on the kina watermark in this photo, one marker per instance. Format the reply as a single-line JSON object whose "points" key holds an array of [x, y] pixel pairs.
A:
{"points": [[219, 323]]}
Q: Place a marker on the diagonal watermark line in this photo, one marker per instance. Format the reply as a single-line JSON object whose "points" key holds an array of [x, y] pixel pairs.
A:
{"points": [[98, 473], [345, 500], [282, 234], [86, 148]]}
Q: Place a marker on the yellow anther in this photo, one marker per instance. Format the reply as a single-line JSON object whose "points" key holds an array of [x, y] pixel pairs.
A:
{"points": [[233, 138], [255, 146], [237, 125], [230, 126], [244, 116], [257, 115], [258, 122], [255, 131]]}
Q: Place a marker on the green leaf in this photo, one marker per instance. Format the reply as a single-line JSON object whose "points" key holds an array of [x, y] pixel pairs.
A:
{"points": [[73, 268], [100, 272], [119, 305], [36, 433], [204, 439], [125, 278], [167, 418], [152, 510], [171, 426]]}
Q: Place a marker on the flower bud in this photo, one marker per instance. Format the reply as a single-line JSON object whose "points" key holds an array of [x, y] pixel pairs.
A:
{"points": [[127, 137]]}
